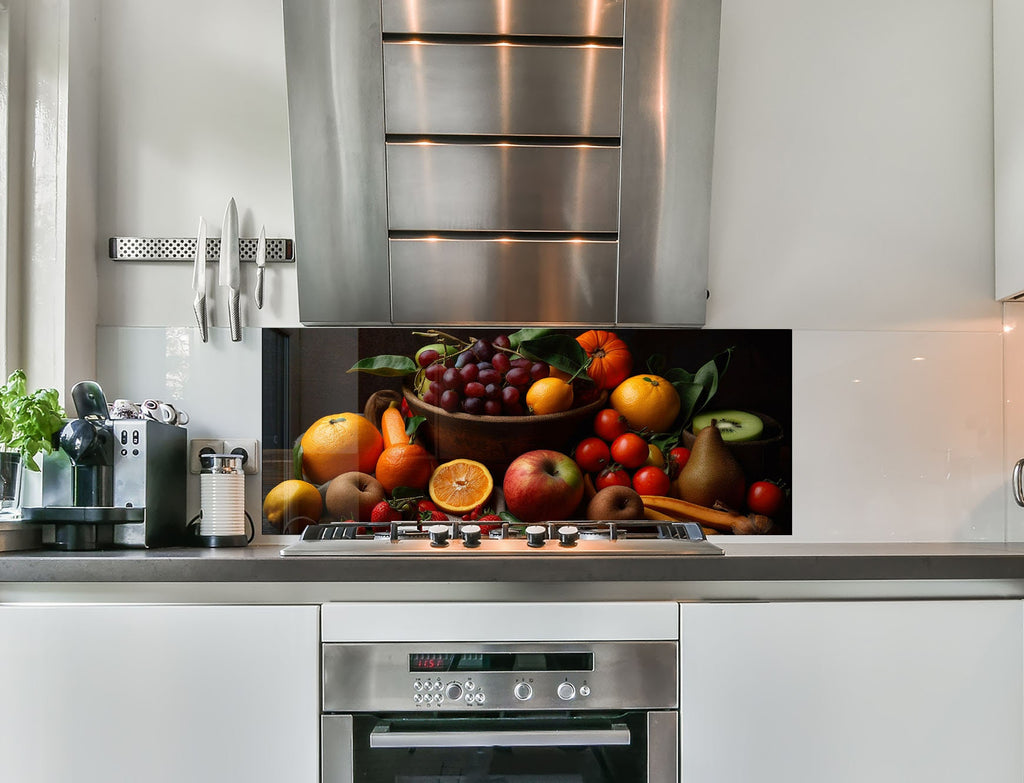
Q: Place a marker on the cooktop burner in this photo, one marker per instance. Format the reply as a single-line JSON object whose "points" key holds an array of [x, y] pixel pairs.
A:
{"points": [[635, 538]]}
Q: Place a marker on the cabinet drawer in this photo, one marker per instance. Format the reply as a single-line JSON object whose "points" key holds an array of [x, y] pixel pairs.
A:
{"points": [[510, 281], [502, 187], [502, 89], [500, 17]]}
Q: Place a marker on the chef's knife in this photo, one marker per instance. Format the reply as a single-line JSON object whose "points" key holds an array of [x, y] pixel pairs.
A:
{"points": [[199, 281], [261, 261], [229, 274]]}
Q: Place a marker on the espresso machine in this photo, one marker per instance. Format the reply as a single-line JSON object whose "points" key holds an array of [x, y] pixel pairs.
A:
{"points": [[112, 482]]}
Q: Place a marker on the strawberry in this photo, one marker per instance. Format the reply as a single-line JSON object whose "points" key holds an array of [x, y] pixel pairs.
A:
{"points": [[487, 528], [383, 513]]}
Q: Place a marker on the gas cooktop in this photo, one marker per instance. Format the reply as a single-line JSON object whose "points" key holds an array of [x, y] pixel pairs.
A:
{"points": [[633, 538]]}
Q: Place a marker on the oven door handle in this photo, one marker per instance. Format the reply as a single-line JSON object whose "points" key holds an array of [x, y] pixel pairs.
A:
{"points": [[382, 737]]}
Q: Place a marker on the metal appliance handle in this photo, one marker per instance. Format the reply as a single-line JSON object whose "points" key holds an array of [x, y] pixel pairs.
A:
{"points": [[1018, 488], [383, 737]]}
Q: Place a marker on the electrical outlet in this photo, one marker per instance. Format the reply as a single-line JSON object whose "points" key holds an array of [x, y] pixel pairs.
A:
{"points": [[248, 448], [198, 446]]}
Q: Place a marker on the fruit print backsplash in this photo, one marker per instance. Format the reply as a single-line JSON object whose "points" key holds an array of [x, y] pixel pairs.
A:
{"points": [[526, 425]]}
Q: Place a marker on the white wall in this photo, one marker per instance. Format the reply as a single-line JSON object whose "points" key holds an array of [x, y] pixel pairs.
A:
{"points": [[852, 203]]}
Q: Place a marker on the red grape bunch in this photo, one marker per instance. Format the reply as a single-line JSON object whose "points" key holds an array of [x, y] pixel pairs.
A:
{"points": [[488, 378]]}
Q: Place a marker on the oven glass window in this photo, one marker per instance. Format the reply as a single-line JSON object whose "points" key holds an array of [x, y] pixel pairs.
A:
{"points": [[616, 754]]}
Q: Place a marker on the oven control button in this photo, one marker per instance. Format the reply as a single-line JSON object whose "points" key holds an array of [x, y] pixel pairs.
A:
{"points": [[566, 691], [522, 691], [453, 691], [535, 535], [584, 690], [438, 535], [568, 535], [479, 697], [471, 535]]}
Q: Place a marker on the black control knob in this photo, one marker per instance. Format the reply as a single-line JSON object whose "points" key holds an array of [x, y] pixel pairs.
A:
{"points": [[536, 535], [568, 535], [471, 535], [438, 535]]}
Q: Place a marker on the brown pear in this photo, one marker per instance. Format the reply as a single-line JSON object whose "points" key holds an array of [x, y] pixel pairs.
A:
{"points": [[711, 474]]}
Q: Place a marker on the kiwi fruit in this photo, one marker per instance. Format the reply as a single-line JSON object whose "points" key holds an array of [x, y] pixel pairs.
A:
{"points": [[734, 426]]}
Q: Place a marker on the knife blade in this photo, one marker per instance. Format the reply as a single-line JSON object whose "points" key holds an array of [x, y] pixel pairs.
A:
{"points": [[229, 273], [261, 262], [199, 281]]}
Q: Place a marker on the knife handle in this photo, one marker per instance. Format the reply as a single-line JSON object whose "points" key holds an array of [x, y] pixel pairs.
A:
{"points": [[258, 294], [234, 318], [199, 306]]}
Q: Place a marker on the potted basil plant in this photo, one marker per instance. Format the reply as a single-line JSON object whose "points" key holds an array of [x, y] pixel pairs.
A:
{"points": [[28, 423]]}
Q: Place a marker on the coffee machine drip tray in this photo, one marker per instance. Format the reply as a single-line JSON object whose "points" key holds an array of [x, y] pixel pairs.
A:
{"points": [[77, 528], [91, 515]]}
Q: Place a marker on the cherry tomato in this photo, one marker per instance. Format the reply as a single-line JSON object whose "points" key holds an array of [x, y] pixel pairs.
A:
{"points": [[611, 478], [592, 455], [609, 424], [650, 480], [765, 497], [677, 457], [630, 450]]}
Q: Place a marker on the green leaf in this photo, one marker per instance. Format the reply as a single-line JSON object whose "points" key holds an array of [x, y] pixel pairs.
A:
{"points": [[388, 365], [524, 335], [558, 350], [297, 459]]}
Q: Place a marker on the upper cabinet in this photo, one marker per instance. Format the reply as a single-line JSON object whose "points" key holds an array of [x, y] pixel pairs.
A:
{"points": [[478, 161], [1008, 110]]}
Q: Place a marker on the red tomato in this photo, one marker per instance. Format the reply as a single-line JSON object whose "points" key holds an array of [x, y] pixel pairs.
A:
{"points": [[765, 497], [650, 480], [677, 457], [609, 424], [630, 450], [611, 478], [592, 455]]}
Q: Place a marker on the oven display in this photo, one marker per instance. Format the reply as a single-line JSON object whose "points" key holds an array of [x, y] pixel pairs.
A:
{"points": [[501, 662]]}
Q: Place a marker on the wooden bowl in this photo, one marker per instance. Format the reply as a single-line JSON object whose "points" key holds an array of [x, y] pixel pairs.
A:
{"points": [[497, 440]]}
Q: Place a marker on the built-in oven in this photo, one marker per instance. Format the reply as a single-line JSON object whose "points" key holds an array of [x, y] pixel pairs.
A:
{"points": [[500, 712]]}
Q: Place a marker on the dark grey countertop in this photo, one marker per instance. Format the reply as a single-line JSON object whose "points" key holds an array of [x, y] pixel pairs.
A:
{"points": [[752, 561]]}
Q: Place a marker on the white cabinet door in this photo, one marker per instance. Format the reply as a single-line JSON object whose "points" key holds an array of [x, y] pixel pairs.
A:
{"points": [[1008, 133], [886, 692], [161, 694]]}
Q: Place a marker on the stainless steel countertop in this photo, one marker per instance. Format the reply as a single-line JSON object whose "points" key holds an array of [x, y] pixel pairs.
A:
{"points": [[754, 570]]}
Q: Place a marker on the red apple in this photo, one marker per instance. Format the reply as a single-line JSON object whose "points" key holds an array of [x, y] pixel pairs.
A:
{"points": [[542, 486]]}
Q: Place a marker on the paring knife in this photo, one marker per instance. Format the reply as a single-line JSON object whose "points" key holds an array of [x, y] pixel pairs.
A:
{"points": [[229, 274], [261, 262], [199, 281]]}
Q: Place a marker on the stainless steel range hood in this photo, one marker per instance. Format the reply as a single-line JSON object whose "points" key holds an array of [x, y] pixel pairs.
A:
{"points": [[502, 161]]}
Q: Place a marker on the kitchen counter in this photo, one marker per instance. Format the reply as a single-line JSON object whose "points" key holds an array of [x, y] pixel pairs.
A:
{"points": [[749, 570]]}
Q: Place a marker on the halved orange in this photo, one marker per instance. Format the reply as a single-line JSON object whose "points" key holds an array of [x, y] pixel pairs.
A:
{"points": [[460, 485]]}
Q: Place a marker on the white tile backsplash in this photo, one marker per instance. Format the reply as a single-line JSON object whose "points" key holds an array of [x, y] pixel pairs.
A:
{"points": [[897, 436]]}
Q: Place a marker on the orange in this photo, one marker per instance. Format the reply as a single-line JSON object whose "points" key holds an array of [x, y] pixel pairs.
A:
{"points": [[339, 443], [392, 427], [549, 395], [647, 402], [610, 358], [460, 486], [291, 501], [405, 465]]}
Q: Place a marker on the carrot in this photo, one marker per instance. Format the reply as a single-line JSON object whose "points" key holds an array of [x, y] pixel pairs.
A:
{"points": [[392, 427], [726, 521]]}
